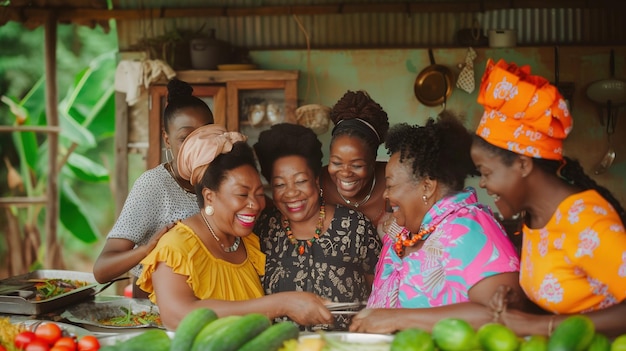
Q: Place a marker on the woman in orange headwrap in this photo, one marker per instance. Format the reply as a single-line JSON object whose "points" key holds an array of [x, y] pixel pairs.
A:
{"points": [[574, 245], [212, 259]]}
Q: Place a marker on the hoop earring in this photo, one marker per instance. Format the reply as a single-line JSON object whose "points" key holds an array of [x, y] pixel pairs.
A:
{"points": [[321, 193], [169, 158], [425, 199], [209, 210]]}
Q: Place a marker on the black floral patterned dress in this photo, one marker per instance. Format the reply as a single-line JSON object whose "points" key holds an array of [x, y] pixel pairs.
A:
{"points": [[333, 267]]}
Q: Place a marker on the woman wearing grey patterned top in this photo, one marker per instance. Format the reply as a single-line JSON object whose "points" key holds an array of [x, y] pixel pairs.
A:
{"points": [[159, 197]]}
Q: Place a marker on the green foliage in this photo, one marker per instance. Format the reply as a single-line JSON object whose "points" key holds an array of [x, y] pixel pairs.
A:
{"points": [[86, 61]]}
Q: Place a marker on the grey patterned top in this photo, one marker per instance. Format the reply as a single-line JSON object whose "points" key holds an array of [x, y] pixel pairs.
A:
{"points": [[154, 201], [333, 267]]}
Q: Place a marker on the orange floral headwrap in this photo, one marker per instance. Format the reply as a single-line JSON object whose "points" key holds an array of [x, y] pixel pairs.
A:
{"points": [[201, 147], [523, 113]]}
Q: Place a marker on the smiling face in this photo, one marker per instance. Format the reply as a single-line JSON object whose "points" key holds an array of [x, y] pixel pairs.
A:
{"points": [[295, 188], [504, 183], [404, 194], [351, 166], [241, 188]]}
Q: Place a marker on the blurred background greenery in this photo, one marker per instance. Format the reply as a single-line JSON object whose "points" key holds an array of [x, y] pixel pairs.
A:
{"points": [[21, 69]]}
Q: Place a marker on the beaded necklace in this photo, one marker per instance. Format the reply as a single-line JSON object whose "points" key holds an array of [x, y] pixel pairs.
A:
{"points": [[318, 230], [402, 239]]}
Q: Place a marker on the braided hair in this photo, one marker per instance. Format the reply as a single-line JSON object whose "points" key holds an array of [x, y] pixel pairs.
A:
{"points": [[439, 150], [358, 104], [569, 170], [179, 97]]}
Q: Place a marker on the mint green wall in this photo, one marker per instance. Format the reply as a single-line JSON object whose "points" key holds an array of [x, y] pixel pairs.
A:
{"points": [[388, 76]]}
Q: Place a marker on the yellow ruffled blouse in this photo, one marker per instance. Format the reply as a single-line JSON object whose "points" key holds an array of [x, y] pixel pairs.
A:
{"points": [[208, 277]]}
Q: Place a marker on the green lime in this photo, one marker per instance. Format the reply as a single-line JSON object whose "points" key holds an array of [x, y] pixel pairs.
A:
{"points": [[619, 344], [412, 339], [497, 337], [534, 343], [453, 334], [599, 343]]}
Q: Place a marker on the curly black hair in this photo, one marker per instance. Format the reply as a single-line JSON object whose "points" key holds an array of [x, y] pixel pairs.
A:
{"points": [[179, 97], [358, 104], [439, 150], [571, 172], [215, 174], [287, 139]]}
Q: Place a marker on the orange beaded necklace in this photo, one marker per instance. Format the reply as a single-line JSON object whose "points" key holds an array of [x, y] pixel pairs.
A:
{"points": [[318, 230], [403, 240]]}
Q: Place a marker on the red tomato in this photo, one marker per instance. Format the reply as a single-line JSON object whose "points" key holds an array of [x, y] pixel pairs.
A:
{"points": [[88, 343], [24, 338], [37, 345], [2, 348], [62, 348], [49, 332], [67, 341]]}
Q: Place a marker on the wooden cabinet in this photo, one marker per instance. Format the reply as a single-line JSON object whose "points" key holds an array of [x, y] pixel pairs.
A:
{"points": [[244, 101]]}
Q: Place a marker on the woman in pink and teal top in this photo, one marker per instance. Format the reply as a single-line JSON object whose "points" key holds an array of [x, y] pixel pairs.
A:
{"points": [[453, 255]]}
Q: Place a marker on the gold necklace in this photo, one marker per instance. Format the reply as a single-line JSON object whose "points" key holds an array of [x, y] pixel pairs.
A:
{"points": [[229, 249], [170, 170], [356, 204]]}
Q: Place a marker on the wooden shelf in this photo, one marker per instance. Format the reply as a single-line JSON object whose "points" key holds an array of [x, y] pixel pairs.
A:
{"points": [[217, 77]]}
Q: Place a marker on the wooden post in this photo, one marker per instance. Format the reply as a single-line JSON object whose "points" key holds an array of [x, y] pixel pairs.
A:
{"points": [[52, 188]]}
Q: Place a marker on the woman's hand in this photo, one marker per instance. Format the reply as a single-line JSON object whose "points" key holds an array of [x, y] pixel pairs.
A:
{"points": [[305, 308], [154, 240], [377, 320]]}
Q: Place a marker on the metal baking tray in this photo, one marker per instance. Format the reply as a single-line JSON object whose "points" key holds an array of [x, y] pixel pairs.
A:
{"points": [[17, 298], [89, 314]]}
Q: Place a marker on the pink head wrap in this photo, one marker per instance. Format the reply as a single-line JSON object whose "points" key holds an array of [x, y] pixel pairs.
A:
{"points": [[201, 147]]}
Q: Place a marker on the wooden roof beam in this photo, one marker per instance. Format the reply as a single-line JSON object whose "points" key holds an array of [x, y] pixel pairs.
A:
{"points": [[34, 14]]}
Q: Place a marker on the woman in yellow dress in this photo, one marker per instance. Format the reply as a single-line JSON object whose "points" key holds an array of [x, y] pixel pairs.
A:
{"points": [[212, 259]]}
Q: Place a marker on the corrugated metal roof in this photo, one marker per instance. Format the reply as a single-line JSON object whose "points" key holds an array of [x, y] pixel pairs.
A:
{"points": [[573, 26]]}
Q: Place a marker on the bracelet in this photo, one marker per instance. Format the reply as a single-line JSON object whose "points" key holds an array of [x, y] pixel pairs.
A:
{"points": [[551, 325]]}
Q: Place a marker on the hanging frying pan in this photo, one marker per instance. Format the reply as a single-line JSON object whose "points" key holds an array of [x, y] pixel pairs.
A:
{"points": [[605, 90], [434, 83]]}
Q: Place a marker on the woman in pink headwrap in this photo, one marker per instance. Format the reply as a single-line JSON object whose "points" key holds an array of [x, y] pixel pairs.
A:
{"points": [[212, 259], [574, 246]]}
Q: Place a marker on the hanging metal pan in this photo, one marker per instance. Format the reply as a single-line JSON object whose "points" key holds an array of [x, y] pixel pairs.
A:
{"points": [[611, 89], [434, 83]]}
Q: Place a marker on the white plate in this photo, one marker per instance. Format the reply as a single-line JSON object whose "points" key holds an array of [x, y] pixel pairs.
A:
{"points": [[353, 341], [68, 328]]}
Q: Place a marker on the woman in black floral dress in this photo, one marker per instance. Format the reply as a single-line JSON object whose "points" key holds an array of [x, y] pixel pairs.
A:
{"points": [[327, 250]]}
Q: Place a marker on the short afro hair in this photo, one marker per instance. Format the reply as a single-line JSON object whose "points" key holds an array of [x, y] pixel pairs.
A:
{"points": [[287, 139]]}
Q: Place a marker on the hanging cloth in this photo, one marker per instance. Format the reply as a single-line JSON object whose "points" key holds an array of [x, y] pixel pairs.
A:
{"points": [[466, 77]]}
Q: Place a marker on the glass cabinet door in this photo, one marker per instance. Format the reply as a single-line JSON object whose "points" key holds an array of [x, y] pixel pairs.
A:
{"points": [[256, 105]]}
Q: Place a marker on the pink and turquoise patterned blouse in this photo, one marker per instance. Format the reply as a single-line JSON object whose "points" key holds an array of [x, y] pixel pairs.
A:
{"points": [[467, 246]]}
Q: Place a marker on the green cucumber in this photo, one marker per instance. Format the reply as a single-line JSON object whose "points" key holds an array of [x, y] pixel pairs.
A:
{"points": [[190, 326], [155, 339], [209, 331], [235, 334], [272, 338], [575, 333]]}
